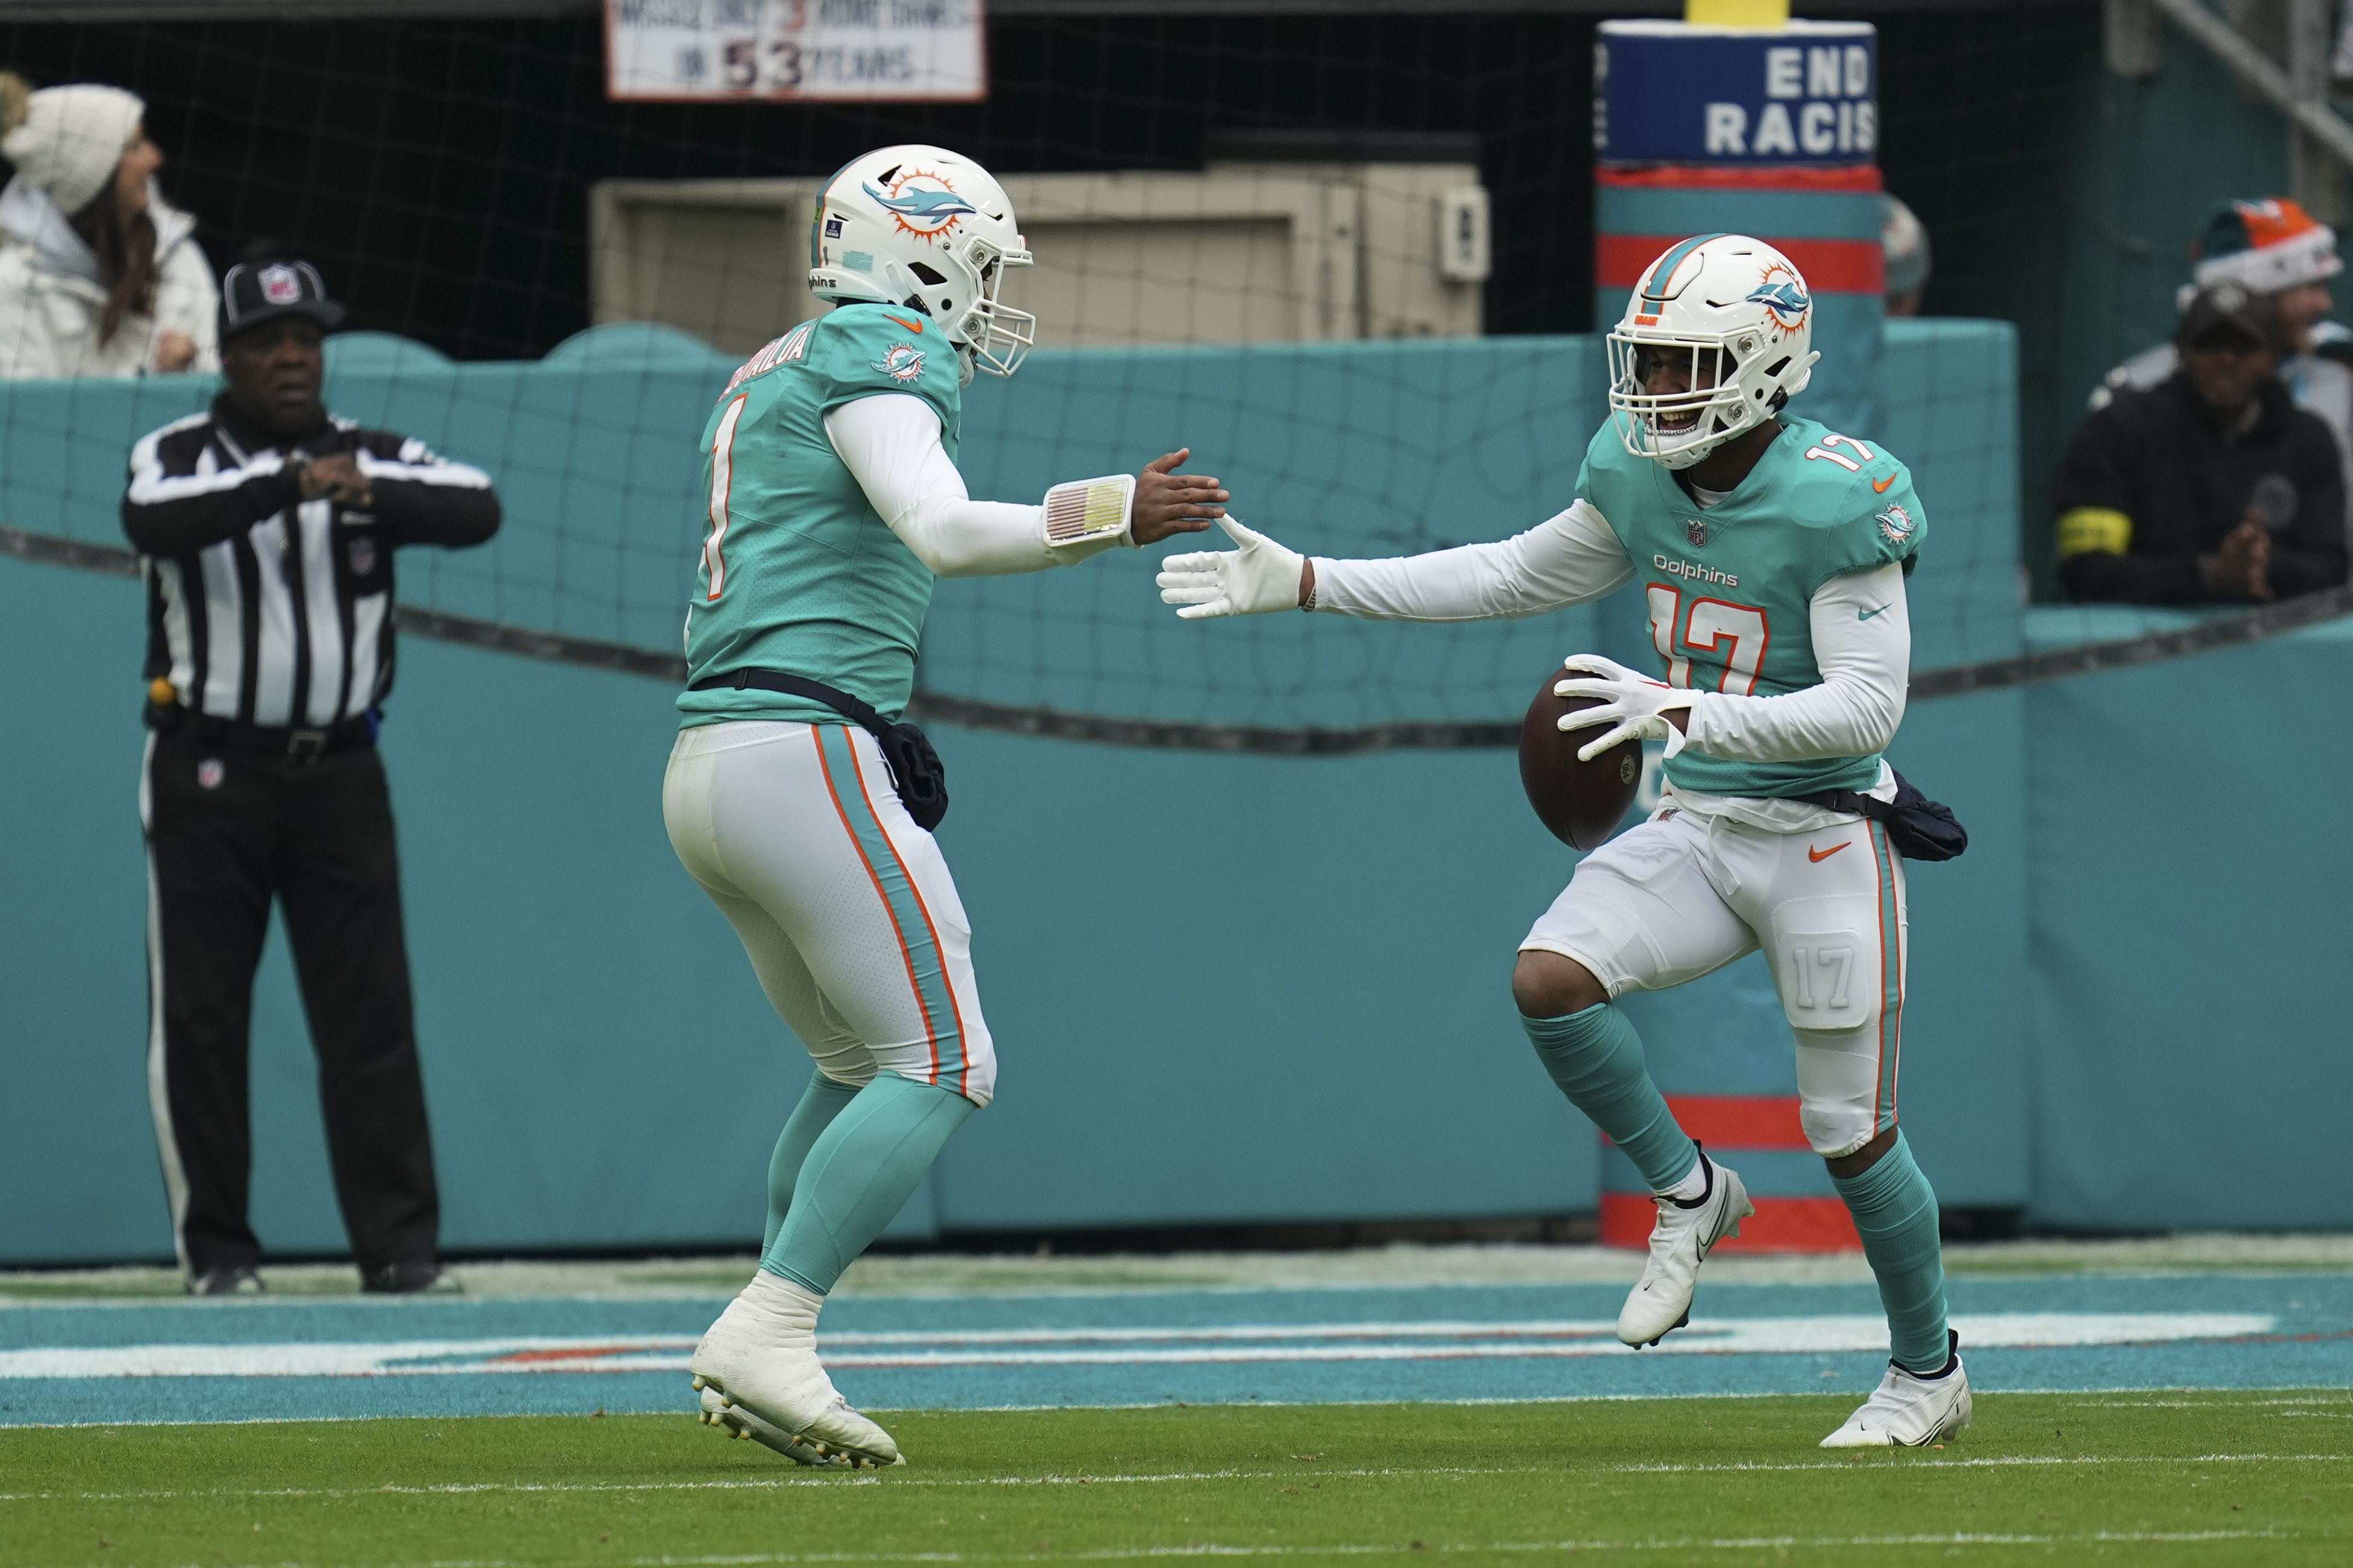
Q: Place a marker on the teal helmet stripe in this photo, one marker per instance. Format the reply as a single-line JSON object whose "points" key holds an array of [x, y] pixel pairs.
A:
{"points": [[1663, 269]]}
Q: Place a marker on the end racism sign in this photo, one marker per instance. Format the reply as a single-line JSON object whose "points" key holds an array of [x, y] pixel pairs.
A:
{"points": [[1667, 92]]}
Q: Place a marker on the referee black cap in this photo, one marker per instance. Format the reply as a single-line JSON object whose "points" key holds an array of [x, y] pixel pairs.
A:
{"points": [[260, 292]]}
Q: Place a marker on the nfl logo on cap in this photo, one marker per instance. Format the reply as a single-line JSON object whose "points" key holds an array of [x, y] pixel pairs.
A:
{"points": [[281, 285]]}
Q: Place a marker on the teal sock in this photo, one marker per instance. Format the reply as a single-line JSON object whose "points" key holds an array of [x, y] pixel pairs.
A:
{"points": [[820, 1103], [859, 1173], [1597, 1058], [1895, 1211]]}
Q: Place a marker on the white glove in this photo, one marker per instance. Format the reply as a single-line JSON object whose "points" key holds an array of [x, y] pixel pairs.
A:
{"points": [[1261, 576], [1631, 700]]}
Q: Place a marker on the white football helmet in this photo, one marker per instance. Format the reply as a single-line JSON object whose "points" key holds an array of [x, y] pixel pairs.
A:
{"points": [[927, 229], [1740, 319]]}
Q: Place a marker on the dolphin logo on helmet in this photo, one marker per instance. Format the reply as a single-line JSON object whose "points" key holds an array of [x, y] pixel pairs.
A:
{"points": [[1787, 300], [922, 208]]}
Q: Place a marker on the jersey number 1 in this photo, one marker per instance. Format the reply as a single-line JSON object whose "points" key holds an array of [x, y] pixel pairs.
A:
{"points": [[1706, 626], [722, 481]]}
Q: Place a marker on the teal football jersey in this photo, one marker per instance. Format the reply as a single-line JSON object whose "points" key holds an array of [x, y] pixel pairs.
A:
{"points": [[800, 572], [1729, 588]]}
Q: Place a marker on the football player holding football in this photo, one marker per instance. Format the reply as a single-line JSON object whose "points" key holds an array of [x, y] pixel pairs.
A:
{"points": [[793, 797], [1772, 554]]}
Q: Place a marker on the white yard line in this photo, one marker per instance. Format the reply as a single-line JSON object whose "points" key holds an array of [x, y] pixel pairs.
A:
{"points": [[769, 1483]]}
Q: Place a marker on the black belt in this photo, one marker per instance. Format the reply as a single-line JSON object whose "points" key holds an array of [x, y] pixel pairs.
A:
{"points": [[295, 745], [915, 768]]}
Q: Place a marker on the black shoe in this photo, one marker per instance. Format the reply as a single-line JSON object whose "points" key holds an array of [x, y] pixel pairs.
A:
{"points": [[236, 1281], [411, 1278]]}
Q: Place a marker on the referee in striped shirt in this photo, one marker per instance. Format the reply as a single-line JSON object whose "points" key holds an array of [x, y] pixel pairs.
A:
{"points": [[267, 529]]}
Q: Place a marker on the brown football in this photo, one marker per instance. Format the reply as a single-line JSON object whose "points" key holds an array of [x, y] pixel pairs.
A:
{"points": [[1581, 803]]}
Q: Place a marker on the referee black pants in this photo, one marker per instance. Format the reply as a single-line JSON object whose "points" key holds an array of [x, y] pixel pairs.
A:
{"points": [[227, 832]]}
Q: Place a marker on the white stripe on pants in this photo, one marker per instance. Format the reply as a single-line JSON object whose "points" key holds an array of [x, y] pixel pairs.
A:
{"points": [[845, 907]]}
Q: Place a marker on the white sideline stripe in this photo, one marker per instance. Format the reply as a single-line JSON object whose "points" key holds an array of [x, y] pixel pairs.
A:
{"points": [[772, 1483], [1119, 1347]]}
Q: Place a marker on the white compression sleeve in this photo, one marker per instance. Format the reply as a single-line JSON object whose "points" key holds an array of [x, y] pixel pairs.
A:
{"points": [[1564, 560], [891, 443], [1862, 644]]}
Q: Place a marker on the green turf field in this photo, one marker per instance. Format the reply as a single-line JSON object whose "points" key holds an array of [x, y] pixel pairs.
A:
{"points": [[2241, 1478]]}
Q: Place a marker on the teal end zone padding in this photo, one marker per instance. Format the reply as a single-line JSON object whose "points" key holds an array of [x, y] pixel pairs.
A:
{"points": [[630, 343], [1694, 1046], [1802, 215], [2188, 938], [1320, 1028], [1355, 449], [383, 353]]}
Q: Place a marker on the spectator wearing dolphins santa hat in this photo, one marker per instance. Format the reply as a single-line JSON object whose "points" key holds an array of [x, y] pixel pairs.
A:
{"points": [[2280, 254], [99, 275]]}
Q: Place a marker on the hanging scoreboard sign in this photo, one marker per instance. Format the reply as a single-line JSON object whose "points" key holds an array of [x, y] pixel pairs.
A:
{"points": [[1668, 92], [872, 51]]}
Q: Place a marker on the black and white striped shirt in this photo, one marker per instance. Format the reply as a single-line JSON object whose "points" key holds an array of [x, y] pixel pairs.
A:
{"points": [[268, 609]]}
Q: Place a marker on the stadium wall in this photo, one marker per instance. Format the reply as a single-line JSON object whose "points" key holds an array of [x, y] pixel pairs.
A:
{"points": [[1309, 1024]]}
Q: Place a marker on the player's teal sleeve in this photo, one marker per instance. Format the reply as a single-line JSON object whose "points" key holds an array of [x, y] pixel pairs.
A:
{"points": [[860, 349]]}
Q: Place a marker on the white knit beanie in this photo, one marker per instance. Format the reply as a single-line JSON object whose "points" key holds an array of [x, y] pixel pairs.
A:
{"points": [[72, 139]]}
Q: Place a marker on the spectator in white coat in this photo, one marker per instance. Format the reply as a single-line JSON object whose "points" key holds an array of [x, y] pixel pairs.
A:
{"points": [[99, 275]]}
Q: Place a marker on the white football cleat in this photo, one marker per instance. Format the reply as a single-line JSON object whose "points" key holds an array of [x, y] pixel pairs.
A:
{"points": [[1909, 1412], [1661, 1302], [737, 1421], [759, 1363]]}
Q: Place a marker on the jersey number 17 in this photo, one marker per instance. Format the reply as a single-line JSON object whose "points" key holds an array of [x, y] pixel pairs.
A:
{"points": [[1713, 628]]}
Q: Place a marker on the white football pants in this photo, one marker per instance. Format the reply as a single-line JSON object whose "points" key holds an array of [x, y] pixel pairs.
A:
{"points": [[1683, 894], [844, 906]]}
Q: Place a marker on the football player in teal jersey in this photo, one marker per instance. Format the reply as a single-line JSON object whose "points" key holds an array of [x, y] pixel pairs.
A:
{"points": [[833, 501], [1771, 554]]}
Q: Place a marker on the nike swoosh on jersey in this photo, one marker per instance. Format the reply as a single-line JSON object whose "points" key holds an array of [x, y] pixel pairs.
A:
{"points": [[1819, 855], [914, 327], [1879, 484], [1866, 614]]}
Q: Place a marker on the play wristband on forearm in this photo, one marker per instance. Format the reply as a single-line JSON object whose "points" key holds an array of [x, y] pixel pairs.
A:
{"points": [[1089, 512]]}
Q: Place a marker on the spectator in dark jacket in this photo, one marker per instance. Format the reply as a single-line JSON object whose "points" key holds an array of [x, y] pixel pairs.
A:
{"points": [[2210, 486]]}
